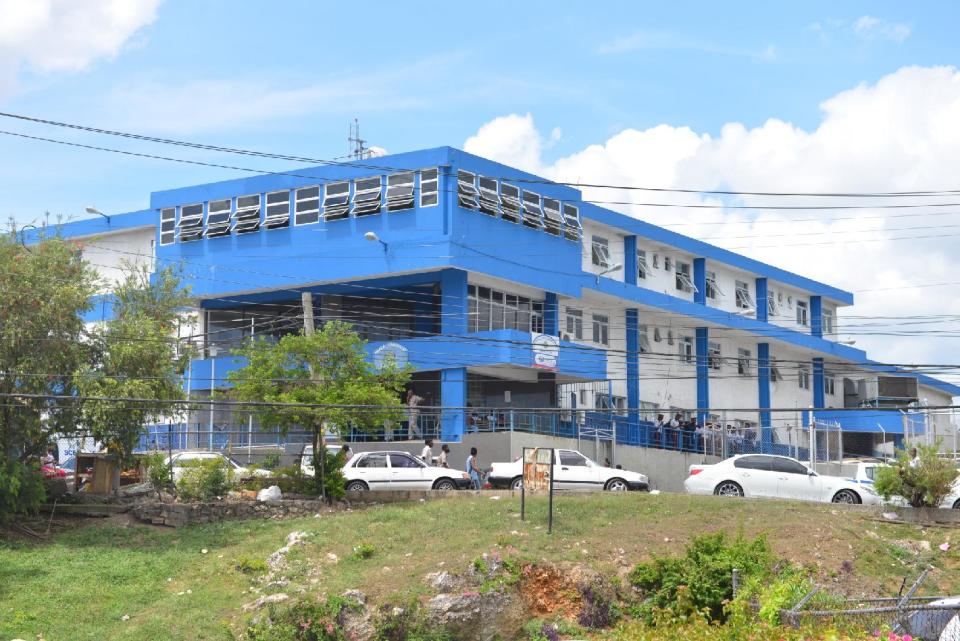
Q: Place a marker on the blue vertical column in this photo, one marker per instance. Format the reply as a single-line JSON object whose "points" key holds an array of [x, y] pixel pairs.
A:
{"points": [[630, 260], [700, 281], [453, 381], [763, 304], [763, 386], [816, 317], [633, 365], [703, 375], [551, 314], [818, 395]]}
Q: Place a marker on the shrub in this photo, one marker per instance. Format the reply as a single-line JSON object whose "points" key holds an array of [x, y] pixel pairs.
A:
{"points": [[924, 484], [246, 565], [271, 461], [21, 488], [204, 480], [158, 470], [700, 581], [304, 621], [364, 550]]}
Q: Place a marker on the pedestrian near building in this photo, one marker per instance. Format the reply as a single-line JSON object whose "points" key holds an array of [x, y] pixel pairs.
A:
{"points": [[427, 454], [473, 469], [413, 414], [444, 453]]}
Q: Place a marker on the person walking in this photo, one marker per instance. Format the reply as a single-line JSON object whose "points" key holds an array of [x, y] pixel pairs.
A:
{"points": [[427, 454], [473, 469], [444, 453], [413, 415]]}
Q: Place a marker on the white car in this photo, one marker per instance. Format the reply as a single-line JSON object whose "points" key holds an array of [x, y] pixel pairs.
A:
{"points": [[399, 471], [953, 500], [775, 476], [306, 457], [571, 471], [238, 470]]}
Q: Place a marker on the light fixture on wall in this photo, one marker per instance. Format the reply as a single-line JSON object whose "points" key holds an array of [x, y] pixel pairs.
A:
{"points": [[94, 210], [612, 268], [373, 238]]}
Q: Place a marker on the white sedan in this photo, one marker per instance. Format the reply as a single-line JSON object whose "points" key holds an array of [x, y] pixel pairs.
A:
{"points": [[775, 476], [182, 460], [571, 471], [399, 471]]}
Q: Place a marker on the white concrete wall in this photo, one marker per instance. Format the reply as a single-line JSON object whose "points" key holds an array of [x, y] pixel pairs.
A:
{"points": [[614, 242], [107, 253]]}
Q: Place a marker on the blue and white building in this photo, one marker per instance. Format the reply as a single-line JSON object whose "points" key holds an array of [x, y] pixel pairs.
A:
{"points": [[508, 293]]}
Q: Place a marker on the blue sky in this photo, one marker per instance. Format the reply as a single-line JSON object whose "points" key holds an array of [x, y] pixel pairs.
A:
{"points": [[288, 77]]}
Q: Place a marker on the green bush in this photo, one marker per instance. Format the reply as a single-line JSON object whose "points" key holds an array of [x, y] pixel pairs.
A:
{"points": [[700, 581], [303, 621], [204, 480], [271, 461], [924, 484], [158, 470], [21, 488], [364, 550], [247, 565], [290, 480]]}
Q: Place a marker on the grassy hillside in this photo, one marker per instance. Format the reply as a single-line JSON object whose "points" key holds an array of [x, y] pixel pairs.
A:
{"points": [[83, 583]]}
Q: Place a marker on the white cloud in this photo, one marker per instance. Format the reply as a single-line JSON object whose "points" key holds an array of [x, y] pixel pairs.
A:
{"points": [[66, 35], [900, 134], [870, 28], [669, 41]]}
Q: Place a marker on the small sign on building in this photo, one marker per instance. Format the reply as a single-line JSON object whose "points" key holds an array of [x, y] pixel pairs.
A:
{"points": [[546, 351]]}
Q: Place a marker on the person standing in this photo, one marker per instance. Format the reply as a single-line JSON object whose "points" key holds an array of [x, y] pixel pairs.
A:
{"points": [[427, 454], [346, 452], [473, 469], [444, 453], [413, 414]]}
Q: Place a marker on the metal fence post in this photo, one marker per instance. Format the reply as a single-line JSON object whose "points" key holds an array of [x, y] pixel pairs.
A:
{"points": [[736, 582], [723, 434]]}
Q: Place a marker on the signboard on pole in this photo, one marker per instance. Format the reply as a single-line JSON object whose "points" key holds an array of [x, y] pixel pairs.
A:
{"points": [[538, 477]]}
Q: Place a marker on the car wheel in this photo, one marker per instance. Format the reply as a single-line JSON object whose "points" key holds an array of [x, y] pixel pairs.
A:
{"points": [[956, 505], [728, 488], [517, 484], [357, 486], [846, 496], [616, 485], [444, 484]]}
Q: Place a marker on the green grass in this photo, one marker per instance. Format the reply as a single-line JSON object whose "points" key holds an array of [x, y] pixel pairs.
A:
{"points": [[80, 585]]}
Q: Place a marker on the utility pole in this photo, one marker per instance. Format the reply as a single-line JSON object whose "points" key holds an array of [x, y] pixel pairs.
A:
{"points": [[319, 444]]}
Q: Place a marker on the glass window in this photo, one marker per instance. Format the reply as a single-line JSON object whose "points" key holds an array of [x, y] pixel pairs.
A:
{"points": [[366, 196], [510, 203], [684, 284], [489, 196], [713, 355], [168, 225], [336, 200], [190, 226], [827, 322], [246, 218], [552, 217], [744, 299], [307, 206], [278, 210], [803, 317], [467, 193], [218, 218], [829, 385], [786, 466], [642, 268], [532, 212], [400, 191], [743, 361], [686, 349], [572, 459], [644, 340], [713, 290], [575, 323], [762, 463], [429, 187], [372, 460], [600, 251], [404, 460], [601, 329], [572, 230], [803, 378]]}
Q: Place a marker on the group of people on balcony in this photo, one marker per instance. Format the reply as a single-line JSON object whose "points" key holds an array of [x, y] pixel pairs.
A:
{"points": [[679, 433]]}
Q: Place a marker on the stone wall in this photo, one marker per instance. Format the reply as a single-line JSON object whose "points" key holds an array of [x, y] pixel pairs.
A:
{"points": [[181, 514]]}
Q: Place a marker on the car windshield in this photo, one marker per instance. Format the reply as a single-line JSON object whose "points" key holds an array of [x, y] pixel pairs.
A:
{"points": [[870, 471]]}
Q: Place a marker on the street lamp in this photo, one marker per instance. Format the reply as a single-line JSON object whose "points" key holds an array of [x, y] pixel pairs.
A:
{"points": [[94, 210], [373, 238]]}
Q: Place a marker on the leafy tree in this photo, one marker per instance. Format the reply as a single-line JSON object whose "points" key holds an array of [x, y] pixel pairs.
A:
{"points": [[924, 482], [319, 382], [136, 356], [44, 290]]}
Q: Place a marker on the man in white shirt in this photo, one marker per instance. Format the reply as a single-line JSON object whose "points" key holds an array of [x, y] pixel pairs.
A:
{"points": [[427, 454]]}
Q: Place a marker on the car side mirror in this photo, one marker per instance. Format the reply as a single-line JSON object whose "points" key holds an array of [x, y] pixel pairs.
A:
{"points": [[811, 473]]}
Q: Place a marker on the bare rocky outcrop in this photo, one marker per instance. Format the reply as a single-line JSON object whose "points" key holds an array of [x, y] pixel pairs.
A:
{"points": [[471, 616]]}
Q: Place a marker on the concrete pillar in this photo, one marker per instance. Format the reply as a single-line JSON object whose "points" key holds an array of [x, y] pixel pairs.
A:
{"points": [[633, 364], [700, 280], [763, 309], [551, 314], [453, 382], [630, 260], [703, 375], [816, 317], [763, 387]]}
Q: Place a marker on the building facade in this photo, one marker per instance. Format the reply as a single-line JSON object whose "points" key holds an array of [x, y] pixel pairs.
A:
{"points": [[512, 297]]}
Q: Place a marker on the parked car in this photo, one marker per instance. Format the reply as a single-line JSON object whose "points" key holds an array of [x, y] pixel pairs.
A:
{"points": [[306, 457], [572, 471], [179, 460], [399, 471], [865, 474], [953, 500], [775, 476]]}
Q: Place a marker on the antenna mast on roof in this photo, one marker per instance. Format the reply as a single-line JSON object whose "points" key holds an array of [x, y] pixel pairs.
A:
{"points": [[358, 149]]}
